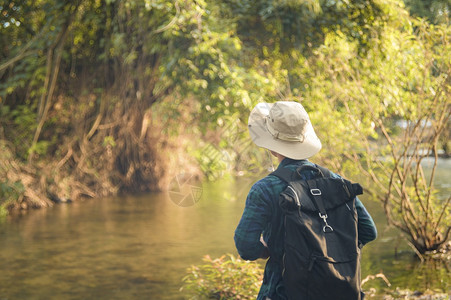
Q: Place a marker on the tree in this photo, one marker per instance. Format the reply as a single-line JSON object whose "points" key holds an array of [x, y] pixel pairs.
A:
{"points": [[389, 110], [79, 98]]}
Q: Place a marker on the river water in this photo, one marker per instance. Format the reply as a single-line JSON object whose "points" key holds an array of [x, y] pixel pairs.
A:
{"points": [[139, 247]]}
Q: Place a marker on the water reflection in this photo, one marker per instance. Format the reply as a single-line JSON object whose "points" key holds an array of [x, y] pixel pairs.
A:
{"points": [[119, 248]]}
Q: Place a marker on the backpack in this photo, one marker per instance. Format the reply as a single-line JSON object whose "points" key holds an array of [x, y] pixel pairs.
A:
{"points": [[322, 254]]}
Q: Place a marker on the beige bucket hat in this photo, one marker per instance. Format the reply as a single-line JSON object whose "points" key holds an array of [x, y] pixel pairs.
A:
{"points": [[284, 127]]}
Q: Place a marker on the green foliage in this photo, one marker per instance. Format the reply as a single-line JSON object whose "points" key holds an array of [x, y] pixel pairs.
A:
{"points": [[20, 121], [303, 24], [436, 11], [215, 162], [226, 277], [108, 141], [10, 192], [40, 148], [204, 61]]}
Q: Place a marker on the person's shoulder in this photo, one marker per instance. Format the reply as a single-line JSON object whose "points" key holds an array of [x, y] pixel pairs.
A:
{"points": [[266, 183]]}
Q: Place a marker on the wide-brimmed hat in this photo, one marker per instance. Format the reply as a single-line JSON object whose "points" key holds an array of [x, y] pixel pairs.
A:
{"points": [[284, 127]]}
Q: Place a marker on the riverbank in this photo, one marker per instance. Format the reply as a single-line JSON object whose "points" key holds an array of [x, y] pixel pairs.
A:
{"points": [[400, 294]]}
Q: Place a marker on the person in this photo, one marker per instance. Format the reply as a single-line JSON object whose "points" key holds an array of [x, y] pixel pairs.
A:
{"points": [[283, 128]]}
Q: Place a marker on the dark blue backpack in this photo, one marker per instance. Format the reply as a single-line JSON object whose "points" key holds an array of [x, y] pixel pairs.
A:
{"points": [[322, 253]]}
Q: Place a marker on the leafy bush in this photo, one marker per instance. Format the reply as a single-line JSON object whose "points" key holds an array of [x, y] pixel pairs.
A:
{"points": [[226, 277], [10, 192]]}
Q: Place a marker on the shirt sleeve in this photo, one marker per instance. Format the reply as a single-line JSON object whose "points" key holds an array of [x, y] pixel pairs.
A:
{"points": [[366, 228], [256, 214]]}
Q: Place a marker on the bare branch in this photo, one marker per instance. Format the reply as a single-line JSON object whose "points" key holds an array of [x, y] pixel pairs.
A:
{"points": [[24, 52], [442, 214], [172, 22]]}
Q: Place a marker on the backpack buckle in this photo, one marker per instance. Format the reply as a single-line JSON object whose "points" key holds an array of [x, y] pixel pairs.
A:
{"points": [[326, 228], [315, 192]]}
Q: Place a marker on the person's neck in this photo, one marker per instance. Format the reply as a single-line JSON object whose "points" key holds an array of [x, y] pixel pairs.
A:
{"points": [[279, 157]]}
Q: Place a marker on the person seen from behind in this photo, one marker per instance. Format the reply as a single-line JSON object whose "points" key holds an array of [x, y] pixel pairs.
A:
{"points": [[284, 128]]}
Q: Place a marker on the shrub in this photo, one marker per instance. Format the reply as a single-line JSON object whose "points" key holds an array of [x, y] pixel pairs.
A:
{"points": [[226, 277]]}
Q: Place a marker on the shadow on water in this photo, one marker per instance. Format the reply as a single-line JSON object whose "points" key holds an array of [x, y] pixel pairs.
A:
{"points": [[139, 247]]}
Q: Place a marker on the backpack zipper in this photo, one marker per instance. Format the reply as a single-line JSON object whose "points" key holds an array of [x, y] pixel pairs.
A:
{"points": [[297, 198]]}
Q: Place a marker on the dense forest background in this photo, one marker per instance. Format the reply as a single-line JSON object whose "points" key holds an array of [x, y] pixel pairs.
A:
{"points": [[99, 97]]}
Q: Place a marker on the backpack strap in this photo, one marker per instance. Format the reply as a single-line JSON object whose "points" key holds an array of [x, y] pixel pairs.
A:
{"points": [[285, 174], [319, 204], [316, 193], [313, 188], [326, 172], [288, 176], [318, 170]]}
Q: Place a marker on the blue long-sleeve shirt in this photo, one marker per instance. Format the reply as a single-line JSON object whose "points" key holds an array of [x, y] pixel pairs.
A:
{"points": [[263, 216]]}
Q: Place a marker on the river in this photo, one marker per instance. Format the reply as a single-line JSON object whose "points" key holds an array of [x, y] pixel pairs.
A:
{"points": [[139, 247]]}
